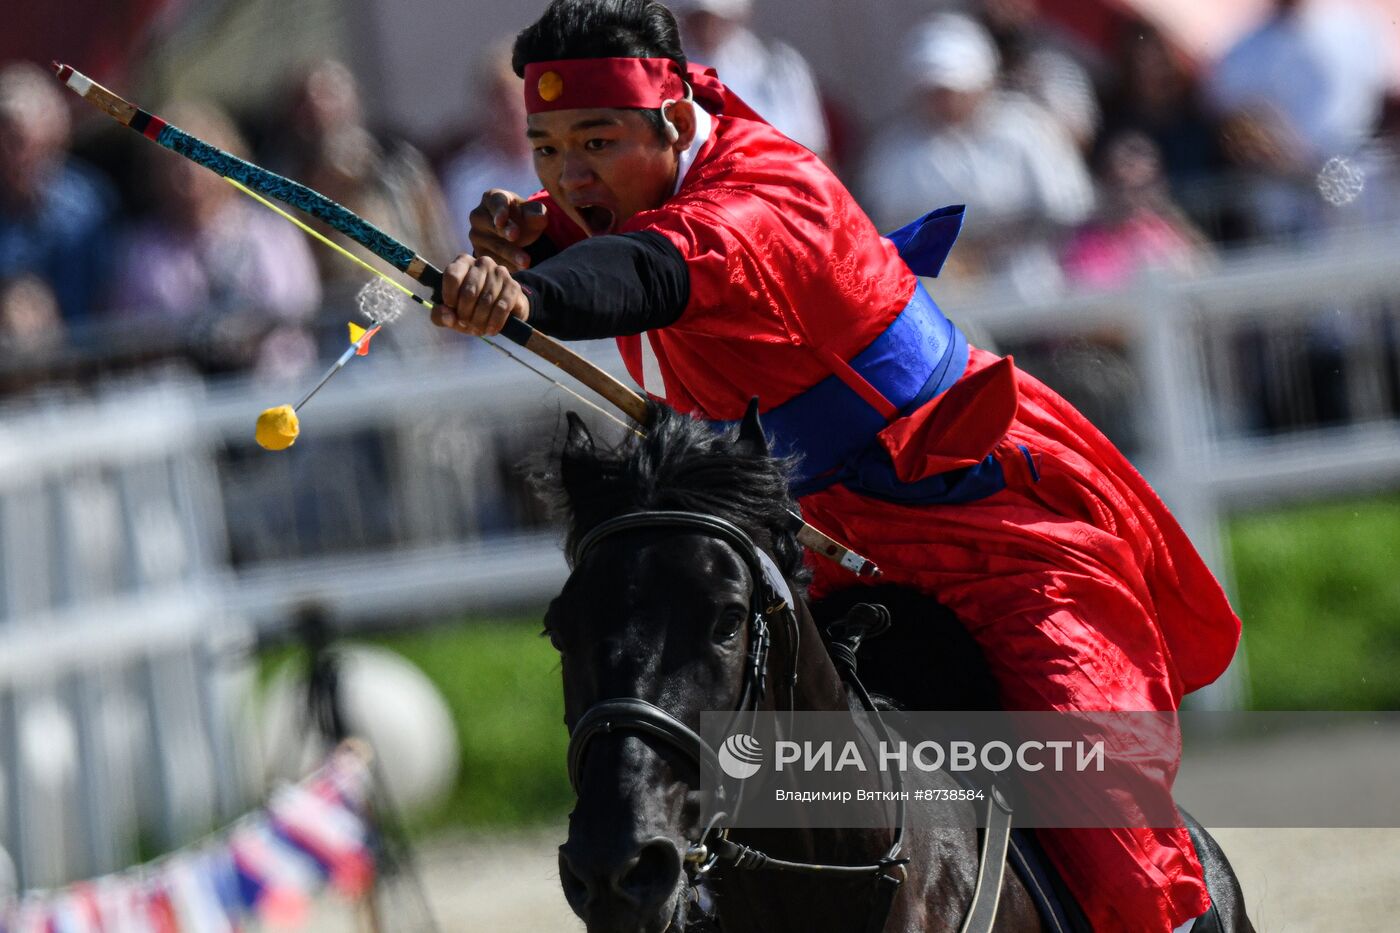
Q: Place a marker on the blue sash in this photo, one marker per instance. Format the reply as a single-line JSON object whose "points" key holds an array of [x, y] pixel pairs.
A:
{"points": [[920, 355], [832, 430]]}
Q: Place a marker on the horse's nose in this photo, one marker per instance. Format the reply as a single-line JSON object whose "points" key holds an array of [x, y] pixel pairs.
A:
{"points": [[639, 884]]}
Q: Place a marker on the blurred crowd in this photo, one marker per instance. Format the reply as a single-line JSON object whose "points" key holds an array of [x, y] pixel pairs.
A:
{"points": [[1082, 167]]}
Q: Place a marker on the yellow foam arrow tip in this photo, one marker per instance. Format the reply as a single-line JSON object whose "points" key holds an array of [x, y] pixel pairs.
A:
{"points": [[277, 428]]}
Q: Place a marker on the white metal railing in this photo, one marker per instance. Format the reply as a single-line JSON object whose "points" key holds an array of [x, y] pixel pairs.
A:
{"points": [[113, 718], [1184, 335], [1175, 328], [140, 531], [124, 621]]}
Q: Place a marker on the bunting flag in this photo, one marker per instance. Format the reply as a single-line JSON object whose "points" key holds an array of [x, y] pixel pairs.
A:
{"points": [[279, 878], [194, 890], [267, 867], [326, 831]]}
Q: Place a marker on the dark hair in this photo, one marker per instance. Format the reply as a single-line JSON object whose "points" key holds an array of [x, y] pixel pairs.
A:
{"points": [[684, 464], [601, 29]]}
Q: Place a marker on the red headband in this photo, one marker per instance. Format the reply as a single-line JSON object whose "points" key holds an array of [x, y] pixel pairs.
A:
{"points": [[577, 83]]}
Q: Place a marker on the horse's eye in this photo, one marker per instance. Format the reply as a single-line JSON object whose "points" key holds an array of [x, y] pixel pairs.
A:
{"points": [[553, 639], [729, 624]]}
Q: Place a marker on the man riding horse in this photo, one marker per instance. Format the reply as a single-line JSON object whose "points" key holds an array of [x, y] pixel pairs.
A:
{"points": [[731, 264]]}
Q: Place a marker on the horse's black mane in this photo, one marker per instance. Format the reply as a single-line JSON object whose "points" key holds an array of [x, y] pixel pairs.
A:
{"points": [[680, 464]]}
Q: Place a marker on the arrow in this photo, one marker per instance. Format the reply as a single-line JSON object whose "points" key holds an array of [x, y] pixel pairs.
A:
{"points": [[381, 244], [347, 222]]}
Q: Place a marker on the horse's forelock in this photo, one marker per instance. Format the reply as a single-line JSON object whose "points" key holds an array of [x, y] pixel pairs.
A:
{"points": [[681, 464]]}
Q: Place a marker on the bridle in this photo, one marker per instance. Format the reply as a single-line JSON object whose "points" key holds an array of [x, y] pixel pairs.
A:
{"points": [[770, 600]]}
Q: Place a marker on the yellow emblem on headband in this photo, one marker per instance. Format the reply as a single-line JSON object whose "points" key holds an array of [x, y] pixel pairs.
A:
{"points": [[550, 86]]}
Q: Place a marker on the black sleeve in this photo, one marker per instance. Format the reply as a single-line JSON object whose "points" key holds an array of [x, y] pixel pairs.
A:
{"points": [[540, 250], [608, 286]]}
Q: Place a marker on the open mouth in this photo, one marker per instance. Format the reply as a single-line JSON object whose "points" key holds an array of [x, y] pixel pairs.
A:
{"points": [[598, 220]]}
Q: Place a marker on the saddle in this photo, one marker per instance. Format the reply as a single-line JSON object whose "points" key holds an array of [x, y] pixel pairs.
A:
{"points": [[1058, 909]]}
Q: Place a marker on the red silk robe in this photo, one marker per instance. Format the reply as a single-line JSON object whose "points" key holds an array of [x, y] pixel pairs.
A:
{"points": [[1081, 589]]}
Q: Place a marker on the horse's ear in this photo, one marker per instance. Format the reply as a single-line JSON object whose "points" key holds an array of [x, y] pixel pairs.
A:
{"points": [[577, 467], [578, 440], [751, 430]]}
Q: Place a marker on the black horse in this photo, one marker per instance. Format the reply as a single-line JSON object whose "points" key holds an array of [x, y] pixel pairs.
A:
{"points": [[668, 612]]}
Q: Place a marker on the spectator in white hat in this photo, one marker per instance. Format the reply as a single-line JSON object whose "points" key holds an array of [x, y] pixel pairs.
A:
{"points": [[771, 76], [1045, 64], [963, 141]]}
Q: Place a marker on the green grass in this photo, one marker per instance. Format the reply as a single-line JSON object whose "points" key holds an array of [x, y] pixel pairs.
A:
{"points": [[1318, 589]]}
